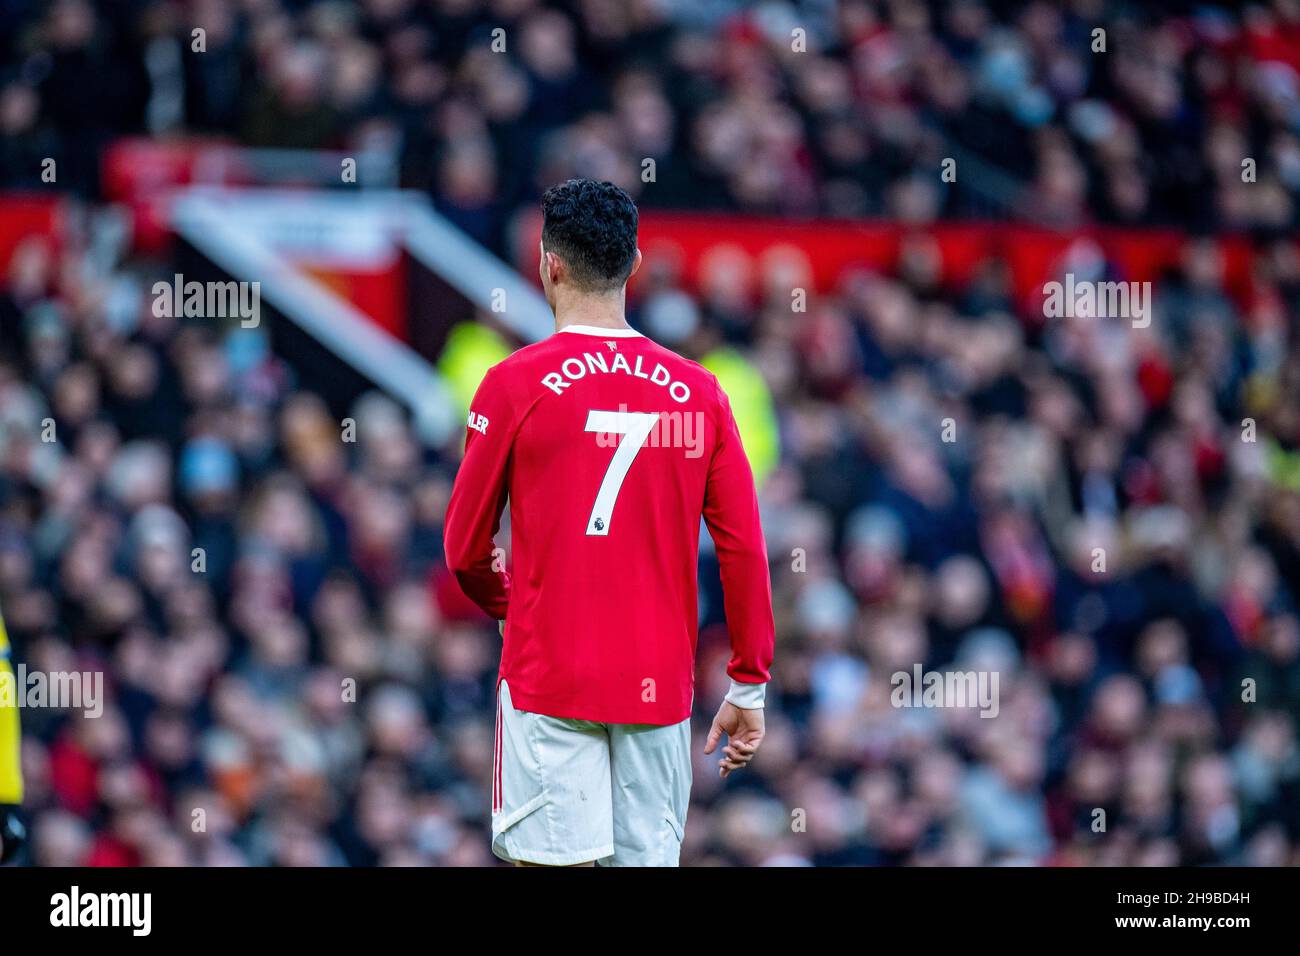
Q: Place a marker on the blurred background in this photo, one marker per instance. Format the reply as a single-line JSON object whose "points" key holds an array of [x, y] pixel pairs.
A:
{"points": [[375, 166]]}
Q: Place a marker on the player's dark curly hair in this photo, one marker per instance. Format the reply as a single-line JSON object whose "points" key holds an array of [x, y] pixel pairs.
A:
{"points": [[592, 227]]}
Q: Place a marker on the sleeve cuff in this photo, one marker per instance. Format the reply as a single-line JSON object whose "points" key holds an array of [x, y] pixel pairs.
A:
{"points": [[747, 696]]}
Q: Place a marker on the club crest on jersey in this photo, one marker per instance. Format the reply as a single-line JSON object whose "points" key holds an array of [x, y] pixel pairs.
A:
{"points": [[477, 422]]}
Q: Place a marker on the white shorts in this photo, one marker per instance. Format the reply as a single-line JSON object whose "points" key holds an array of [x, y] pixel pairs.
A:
{"points": [[573, 791]]}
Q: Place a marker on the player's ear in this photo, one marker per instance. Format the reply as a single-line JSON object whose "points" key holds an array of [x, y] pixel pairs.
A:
{"points": [[636, 264], [554, 266]]}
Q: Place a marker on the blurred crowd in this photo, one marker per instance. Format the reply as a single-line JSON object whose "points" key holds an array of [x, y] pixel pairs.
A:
{"points": [[1108, 517], [1064, 112], [310, 687]]}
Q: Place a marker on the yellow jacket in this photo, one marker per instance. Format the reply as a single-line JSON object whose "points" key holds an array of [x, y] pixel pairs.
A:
{"points": [[11, 771]]}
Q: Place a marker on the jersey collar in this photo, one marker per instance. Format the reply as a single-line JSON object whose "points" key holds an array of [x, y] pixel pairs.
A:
{"points": [[603, 333]]}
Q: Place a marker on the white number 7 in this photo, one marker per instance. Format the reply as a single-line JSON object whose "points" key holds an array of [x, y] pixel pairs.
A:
{"points": [[634, 427]]}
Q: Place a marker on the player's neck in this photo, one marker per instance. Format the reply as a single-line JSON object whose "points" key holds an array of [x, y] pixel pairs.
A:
{"points": [[593, 311]]}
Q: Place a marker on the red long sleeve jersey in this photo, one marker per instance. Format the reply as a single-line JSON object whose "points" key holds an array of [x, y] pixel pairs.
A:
{"points": [[609, 448]]}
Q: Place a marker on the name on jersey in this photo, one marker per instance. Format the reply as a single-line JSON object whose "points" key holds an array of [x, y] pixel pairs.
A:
{"points": [[572, 369], [477, 422]]}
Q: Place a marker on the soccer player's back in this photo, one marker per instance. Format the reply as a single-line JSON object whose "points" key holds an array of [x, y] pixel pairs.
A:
{"points": [[610, 450], [616, 447]]}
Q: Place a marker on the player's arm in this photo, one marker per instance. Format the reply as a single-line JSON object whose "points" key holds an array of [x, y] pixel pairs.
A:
{"points": [[11, 772], [731, 513], [478, 497]]}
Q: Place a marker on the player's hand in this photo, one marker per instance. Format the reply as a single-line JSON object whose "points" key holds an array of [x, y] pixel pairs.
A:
{"points": [[744, 730], [12, 833]]}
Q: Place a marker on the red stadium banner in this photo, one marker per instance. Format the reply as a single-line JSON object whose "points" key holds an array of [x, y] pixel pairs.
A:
{"points": [[143, 175], [23, 216], [359, 261], [825, 251]]}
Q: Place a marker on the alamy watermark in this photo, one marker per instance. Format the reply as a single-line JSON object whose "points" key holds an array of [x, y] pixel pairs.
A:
{"points": [[675, 429], [1084, 298], [61, 690], [208, 300], [945, 689], [133, 911]]}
